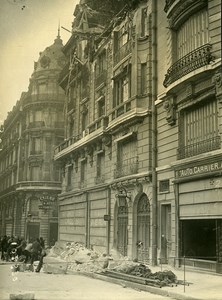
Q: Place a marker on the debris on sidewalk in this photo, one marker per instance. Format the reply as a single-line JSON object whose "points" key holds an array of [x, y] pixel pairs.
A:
{"points": [[79, 258]]}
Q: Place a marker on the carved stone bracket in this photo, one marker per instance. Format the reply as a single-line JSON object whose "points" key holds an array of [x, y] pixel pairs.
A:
{"points": [[170, 107], [89, 151], [107, 141], [217, 79]]}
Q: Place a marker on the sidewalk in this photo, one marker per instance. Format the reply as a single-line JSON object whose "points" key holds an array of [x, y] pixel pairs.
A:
{"points": [[202, 286]]}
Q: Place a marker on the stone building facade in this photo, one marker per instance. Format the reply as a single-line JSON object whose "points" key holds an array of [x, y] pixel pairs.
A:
{"points": [[141, 158], [106, 199], [29, 179], [189, 135], [142, 155]]}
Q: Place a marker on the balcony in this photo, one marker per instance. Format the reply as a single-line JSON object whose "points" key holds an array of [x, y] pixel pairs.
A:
{"points": [[36, 152], [102, 122], [126, 167], [120, 110], [67, 143], [198, 148], [99, 179], [36, 124], [194, 60], [122, 52], [92, 132], [40, 185]]}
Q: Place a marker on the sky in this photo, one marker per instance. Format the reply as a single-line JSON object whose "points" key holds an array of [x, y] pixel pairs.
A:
{"points": [[27, 27]]}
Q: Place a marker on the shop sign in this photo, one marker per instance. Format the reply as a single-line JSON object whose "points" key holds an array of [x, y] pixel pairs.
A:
{"points": [[198, 170]]}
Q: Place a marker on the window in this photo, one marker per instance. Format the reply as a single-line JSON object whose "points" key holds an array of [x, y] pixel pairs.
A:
{"points": [[35, 145], [143, 22], [127, 160], [199, 129], [101, 64], [122, 43], [83, 171], [143, 78], [190, 45], [122, 88], [34, 206], [69, 177], [57, 173], [164, 186], [100, 167], [192, 34], [34, 173], [101, 107], [84, 120]]}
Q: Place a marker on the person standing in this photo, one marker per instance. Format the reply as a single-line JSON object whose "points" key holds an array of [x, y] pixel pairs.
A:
{"points": [[4, 247], [35, 251]]}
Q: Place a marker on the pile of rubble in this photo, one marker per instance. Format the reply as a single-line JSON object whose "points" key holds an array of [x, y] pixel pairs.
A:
{"points": [[166, 277], [79, 258]]}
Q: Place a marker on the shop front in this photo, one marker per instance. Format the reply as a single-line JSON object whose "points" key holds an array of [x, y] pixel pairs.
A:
{"points": [[200, 215]]}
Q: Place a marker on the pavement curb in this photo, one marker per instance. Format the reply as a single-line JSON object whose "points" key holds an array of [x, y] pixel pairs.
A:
{"points": [[137, 286]]}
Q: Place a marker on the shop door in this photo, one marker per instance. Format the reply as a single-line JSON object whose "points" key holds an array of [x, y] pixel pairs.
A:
{"points": [[53, 234], [122, 229], [165, 233], [143, 229], [32, 231]]}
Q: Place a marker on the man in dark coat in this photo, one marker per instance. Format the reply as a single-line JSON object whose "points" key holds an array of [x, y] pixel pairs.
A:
{"points": [[35, 250]]}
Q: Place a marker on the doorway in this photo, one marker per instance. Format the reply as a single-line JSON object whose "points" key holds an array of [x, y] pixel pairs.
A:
{"points": [[165, 233], [122, 228], [32, 231], [53, 234], [143, 228]]}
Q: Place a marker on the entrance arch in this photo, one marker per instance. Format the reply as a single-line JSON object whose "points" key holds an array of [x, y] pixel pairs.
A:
{"points": [[143, 228]]}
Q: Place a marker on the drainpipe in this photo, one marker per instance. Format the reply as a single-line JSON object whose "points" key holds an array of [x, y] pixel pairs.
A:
{"points": [[87, 221], [109, 220], [154, 131]]}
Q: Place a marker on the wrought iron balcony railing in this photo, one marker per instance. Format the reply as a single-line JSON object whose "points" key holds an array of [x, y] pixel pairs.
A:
{"points": [[122, 52], [126, 167], [200, 147], [195, 59]]}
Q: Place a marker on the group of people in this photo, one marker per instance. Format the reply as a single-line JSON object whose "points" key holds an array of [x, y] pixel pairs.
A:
{"points": [[27, 252]]}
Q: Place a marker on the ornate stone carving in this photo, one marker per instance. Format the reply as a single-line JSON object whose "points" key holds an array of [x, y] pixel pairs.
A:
{"points": [[107, 140], [169, 106], [218, 84], [189, 91], [89, 151], [45, 61]]}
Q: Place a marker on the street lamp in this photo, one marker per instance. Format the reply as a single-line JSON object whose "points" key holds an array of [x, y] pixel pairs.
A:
{"points": [[122, 196]]}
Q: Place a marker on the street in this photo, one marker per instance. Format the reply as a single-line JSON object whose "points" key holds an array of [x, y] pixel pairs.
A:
{"points": [[63, 286]]}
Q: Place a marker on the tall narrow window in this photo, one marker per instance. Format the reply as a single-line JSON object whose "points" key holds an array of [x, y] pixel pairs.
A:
{"points": [[83, 171], [69, 177], [122, 88], [143, 78], [100, 167], [199, 129], [192, 34], [127, 160], [143, 21], [34, 173]]}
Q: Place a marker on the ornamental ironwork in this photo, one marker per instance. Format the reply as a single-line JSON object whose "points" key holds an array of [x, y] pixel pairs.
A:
{"points": [[200, 147], [197, 58], [126, 167]]}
